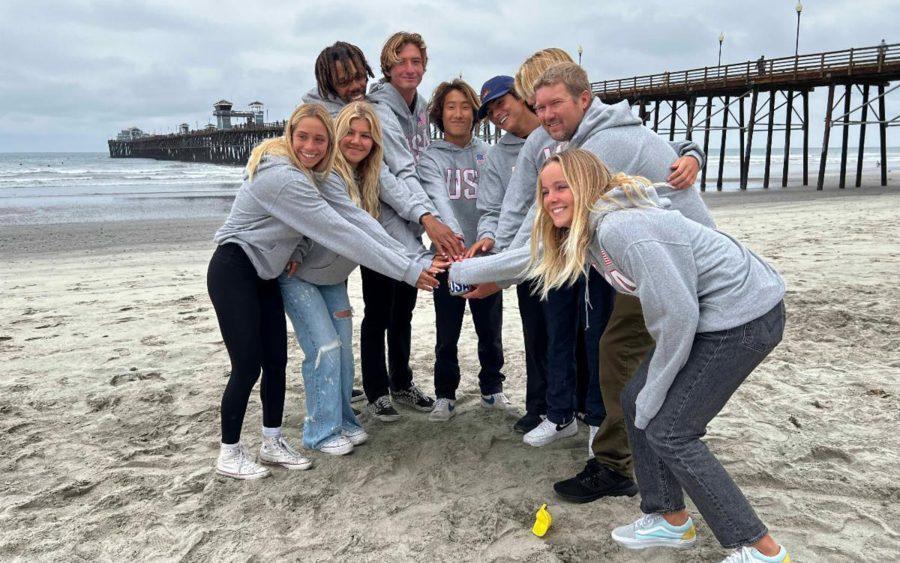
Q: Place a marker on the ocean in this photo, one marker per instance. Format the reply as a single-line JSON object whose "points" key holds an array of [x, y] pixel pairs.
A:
{"points": [[47, 188]]}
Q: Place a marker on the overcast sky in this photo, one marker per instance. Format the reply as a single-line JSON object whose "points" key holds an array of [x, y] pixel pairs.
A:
{"points": [[73, 73]]}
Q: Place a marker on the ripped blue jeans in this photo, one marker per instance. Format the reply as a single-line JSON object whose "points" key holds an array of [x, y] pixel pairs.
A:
{"points": [[323, 323]]}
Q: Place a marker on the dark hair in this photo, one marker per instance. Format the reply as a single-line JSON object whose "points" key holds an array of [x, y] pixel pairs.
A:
{"points": [[436, 105], [352, 62]]}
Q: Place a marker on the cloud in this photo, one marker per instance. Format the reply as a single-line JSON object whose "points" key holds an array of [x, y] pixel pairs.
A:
{"points": [[75, 72]]}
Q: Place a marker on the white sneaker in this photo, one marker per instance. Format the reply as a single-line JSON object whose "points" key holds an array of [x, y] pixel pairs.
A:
{"points": [[276, 451], [652, 530], [444, 410], [495, 401], [547, 432], [356, 436], [749, 554], [235, 461], [338, 445]]}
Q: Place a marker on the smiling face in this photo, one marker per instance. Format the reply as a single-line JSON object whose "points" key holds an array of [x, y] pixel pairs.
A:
{"points": [[556, 196], [407, 73], [357, 143], [559, 112], [458, 116], [309, 141], [506, 113], [350, 82]]}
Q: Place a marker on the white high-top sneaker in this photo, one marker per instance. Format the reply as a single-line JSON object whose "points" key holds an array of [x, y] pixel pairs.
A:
{"points": [[276, 451], [235, 461], [357, 436], [336, 445]]}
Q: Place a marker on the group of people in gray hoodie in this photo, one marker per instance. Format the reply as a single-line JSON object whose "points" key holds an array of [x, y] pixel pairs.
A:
{"points": [[488, 212]]}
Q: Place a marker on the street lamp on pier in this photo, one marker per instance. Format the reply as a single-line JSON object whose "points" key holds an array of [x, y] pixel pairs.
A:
{"points": [[580, 51], [721, 38], [799, 8]]}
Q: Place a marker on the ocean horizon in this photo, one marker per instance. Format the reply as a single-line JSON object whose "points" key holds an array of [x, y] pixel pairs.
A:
{"points": [[63, 187]]}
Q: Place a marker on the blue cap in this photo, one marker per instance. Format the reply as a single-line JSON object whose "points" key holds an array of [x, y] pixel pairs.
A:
{"points": [[493, 89]]}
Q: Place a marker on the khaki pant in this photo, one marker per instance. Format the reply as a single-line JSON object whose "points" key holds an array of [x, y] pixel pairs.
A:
{"points": [[623, 346]]}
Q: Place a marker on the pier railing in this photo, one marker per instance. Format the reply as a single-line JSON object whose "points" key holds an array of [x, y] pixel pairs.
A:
{"points": [[808, 70]]}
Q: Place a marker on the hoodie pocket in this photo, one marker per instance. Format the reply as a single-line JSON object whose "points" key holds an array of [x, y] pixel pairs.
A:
{"points": [[764, 333]]}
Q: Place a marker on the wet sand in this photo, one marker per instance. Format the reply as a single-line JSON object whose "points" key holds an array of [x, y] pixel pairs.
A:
{"points": [[113, 367]]}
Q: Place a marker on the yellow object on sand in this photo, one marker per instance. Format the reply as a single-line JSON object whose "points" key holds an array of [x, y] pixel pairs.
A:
{"points": [[542, 521]]}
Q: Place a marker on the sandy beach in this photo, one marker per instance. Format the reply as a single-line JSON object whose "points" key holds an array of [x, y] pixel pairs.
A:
{"points": [[112, 368]]}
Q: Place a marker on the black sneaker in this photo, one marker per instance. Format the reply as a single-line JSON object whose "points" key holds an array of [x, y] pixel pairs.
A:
{"points": [[383, 410], [528, 422], [595, 481], [413, 397], [357, 395]]}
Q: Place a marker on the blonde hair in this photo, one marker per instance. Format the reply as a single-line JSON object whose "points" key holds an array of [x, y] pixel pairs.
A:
{"points": [[572, 76], [563, 258], [281, 146], [390, 53], [534, 66], [362, 179]]}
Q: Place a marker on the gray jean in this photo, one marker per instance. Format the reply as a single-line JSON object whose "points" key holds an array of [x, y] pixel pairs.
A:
{"points": [[669, 457]]}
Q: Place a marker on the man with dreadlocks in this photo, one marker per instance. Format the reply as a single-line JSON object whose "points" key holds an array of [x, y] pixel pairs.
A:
{"points": [[341, 76]]}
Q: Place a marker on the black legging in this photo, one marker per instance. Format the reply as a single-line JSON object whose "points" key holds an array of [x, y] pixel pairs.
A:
{"points": [[251, 318]]}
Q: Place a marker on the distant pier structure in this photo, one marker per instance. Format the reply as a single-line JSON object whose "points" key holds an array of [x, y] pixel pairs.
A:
{"points": [[685, 103], [695, 102], [226, 142]]}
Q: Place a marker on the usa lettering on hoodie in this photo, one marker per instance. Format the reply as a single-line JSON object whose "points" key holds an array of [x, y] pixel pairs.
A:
{"points": [[449, 175]]}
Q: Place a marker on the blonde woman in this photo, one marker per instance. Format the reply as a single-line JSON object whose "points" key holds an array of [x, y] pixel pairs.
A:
{"points": [[315, 296], [277, 208], [714, 310]]}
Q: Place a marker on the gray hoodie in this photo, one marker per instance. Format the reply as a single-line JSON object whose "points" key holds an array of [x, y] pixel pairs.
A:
{"points": [[688, 277], [330, 103], [399, 194], [449, 174], [501, 161], [519, 195], [321, 266], [510, 266], [405, 134], [272, 214], [616, 136]]}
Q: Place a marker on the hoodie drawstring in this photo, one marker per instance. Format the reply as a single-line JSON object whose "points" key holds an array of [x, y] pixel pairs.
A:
{"points": [[587, 299]]}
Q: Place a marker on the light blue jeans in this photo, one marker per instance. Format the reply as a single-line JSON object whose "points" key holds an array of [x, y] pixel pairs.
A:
{"points": [[326, 341]]}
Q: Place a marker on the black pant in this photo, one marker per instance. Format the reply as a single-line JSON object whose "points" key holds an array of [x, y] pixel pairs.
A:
{"points": [[487, 315], [534, 330], [574, 329], [389, 306], [251, 318]]}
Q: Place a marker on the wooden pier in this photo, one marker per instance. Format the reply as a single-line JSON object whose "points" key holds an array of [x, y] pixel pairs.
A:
{"points": [[231, 146], [697, 101], [686, 103]]}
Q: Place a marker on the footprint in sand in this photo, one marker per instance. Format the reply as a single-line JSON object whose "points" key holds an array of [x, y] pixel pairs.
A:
{"points": [[99, 404], [153, 340], [135, 376]]}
